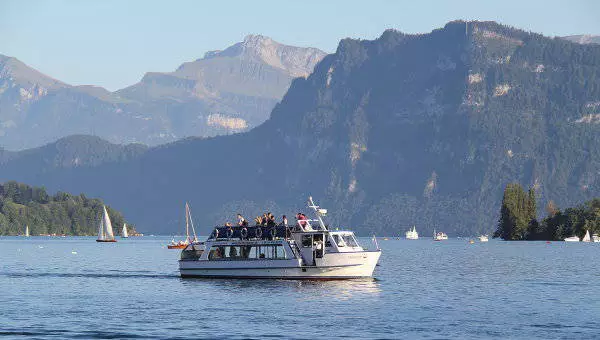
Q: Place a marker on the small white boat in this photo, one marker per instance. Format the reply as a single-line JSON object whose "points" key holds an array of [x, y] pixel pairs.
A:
{"points": [[596, 238], [440, 236], [483, 238], [105, 230], [26, 231], [587, 237], [572, 239], [124, 233], [309, 250], [412, 234]]}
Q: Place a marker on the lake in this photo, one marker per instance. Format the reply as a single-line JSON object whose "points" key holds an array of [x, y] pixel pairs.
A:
{"points": [[76, 288]]}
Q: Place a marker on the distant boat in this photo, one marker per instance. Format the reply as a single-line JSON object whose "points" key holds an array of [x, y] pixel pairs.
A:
{"points": [[26, 231], [483, 238], [439, 236], [124, 233], [412, 234], [105, 230], [572, 239], [596, 238], [587, 237], [188, 239]]}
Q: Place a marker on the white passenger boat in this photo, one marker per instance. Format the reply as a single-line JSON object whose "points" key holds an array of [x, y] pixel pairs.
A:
{"points": [[596, 238], [412, 234], [439, 236], [572, 239], [307, 251], [483, 238]]}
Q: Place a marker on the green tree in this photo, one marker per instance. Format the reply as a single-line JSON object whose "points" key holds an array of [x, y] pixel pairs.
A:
{"points": [[517, 213]]}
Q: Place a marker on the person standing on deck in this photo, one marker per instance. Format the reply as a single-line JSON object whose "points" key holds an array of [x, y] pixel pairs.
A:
{"points": [[242, 222]]}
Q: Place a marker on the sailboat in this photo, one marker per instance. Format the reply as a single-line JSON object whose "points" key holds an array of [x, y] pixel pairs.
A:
{"points": [[587, 237], [124, 233], [412, 234], [26, 231], [105, 230], [188, 239]]}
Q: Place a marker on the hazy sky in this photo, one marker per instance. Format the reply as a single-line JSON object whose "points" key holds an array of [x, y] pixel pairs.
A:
{"points": [[113, 43]]}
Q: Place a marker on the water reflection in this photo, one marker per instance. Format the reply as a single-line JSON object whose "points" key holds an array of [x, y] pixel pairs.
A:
{"points": [[307, 290]]}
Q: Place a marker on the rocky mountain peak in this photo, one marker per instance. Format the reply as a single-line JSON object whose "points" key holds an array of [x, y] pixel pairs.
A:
{"points": [[15, 71], [297, 61]]}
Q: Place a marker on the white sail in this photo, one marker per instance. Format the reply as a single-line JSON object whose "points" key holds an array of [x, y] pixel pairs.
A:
{"points": [[108, 226], [412, 234], [26, 231], [587, 237], [101, 230], [124, 233]]}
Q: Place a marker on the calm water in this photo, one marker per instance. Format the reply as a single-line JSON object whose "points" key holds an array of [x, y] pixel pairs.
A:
{"points": [[424, 289]]}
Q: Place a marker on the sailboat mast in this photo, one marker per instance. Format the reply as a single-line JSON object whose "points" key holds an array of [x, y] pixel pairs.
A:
{"points": [[189, 213], [187, 226]]}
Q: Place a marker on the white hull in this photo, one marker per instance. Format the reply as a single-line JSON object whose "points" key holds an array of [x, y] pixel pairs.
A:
{"points": [[331, 266], [572, 239]]}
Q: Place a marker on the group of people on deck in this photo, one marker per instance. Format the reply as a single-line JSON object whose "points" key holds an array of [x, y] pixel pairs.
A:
{"points": [[268, 220]]}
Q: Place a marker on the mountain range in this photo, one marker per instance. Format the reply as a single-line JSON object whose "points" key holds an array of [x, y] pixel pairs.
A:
{"points": [[225, 92], [403, 130], [584, 38]]}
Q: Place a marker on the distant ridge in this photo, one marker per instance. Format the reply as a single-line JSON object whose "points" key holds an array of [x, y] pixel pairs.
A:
{"points": [[225, 92], [583, 38]]}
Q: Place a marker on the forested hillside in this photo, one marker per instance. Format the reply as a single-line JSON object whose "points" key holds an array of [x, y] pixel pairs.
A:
{"points": [[62, 214], [403, 130]]}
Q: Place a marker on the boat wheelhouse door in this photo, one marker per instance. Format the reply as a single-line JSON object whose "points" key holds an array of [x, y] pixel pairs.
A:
{"points": [[313, 248]]}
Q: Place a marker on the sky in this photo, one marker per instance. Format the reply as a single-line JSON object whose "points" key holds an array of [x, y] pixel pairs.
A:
{"points": [[113, 43]]}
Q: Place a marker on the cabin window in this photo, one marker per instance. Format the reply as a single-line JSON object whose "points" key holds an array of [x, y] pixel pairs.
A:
{"points": [[338, 240], [270, 252], [191, 253], [350, 240], [307, 241]]}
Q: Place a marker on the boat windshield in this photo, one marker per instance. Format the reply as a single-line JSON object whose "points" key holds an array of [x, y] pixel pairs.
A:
{"points": [[345, 240], [350, 240]]}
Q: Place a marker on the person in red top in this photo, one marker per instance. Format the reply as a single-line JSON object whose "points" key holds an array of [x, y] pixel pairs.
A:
{"points": [[301, 220]]}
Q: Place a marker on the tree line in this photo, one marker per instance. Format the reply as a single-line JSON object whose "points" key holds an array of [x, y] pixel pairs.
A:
{"points": [[518, 220], [62, 213]]}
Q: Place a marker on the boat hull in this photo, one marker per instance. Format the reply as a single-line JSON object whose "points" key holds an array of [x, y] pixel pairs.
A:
{"points": [[177, 246], [106, 240], [332, 268]]}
